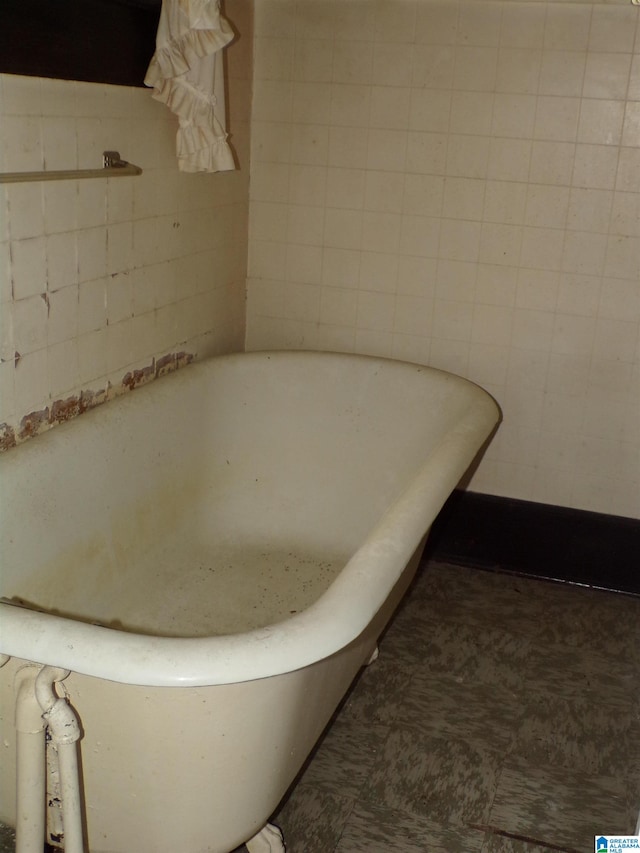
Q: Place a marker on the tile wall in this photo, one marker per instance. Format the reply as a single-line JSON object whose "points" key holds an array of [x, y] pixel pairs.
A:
{"points": [[104, 282], [458, 183]]}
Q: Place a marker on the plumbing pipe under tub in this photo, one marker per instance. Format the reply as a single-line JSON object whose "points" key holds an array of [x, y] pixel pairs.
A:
{"points": [[65, 732], [30, 764]]}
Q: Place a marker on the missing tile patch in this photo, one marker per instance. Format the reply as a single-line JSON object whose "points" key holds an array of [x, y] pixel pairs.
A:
{"points": [[71, 407]]}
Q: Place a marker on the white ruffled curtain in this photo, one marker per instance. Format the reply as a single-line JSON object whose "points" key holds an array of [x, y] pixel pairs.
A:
{"points": [[186, 73]]}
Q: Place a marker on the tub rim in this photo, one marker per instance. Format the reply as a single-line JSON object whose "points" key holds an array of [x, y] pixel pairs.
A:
{"points": [[336, 619]]}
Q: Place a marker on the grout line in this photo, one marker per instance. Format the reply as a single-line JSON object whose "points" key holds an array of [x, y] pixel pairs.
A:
{"points": [[503, 833]]}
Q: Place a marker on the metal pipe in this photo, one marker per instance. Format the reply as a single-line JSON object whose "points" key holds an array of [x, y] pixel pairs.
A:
{"points": [[30, 764], [65, 733]]}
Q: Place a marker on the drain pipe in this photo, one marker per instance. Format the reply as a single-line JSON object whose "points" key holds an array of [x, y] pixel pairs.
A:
{"points": [[65, 732], [30, 764]]}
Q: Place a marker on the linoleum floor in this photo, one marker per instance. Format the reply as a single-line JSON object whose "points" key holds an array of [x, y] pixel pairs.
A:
{"points": [[502, 716]]}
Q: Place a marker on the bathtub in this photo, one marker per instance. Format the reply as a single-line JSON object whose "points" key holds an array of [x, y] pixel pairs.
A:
{"points": [[213, 557]]}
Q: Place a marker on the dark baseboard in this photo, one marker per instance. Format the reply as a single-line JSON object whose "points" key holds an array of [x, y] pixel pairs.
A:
{"points": [[538, 540]]}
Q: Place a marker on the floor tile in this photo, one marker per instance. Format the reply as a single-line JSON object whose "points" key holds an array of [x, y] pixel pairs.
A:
{"points": [[558, 806], [445, 779], [573, 671], [446, 706], [372, 829], [343, 761], [313, 820], [583, 736], [378, 694]]}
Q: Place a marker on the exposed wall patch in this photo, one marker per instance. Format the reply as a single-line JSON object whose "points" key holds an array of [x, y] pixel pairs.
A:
{"points": [[67, 408]]}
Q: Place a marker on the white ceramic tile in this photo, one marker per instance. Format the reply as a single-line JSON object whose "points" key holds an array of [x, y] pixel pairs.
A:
{"points": [[537, 289], [547, 206], [60, 206], [612, 29], [620, 299], [573, 335], [589, 210], [468, 156], [567, 26], [304, 264], [518, 70], [631, 129], [29, 267], [426, 153], [622, 258], [595, 166], [59, 143], [393, 64], [413, 316], [311, 103], [455, 280], [62, 361], [557, 118], [381, 231], [476, 68], [302, 302], [625, 214], [584, 253], [119, 345], [518, 261], [523, 25], [419, 236], [62, 260], [312, 60], [340, 267], [552, 163], [437, 22], [416, 276], [562, 72], [505, 201], [496, 284], [601, 121], [338, 306], [532, 330], [432, 66], [31, 382], [471, 113], [390, 107], [607, 75], [92, 253], [579, 294], [310, 144], [509, 159], [430, 110], [21, 143], [7, 394], [25, 210], [92, 306], [378, 271], [21, 96], [63, 315], [514, 115], [305, 225], [6, 286]]}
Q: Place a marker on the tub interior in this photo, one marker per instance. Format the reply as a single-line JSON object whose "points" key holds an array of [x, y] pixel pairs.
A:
{"points": [[222, 498]]}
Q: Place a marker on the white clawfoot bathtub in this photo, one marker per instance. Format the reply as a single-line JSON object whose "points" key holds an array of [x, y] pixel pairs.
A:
{"points": [[213, 558]]}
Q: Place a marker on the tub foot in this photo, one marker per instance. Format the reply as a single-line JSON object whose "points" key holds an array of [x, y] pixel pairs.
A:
{"points": [[375, 654], [268, 840]]}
